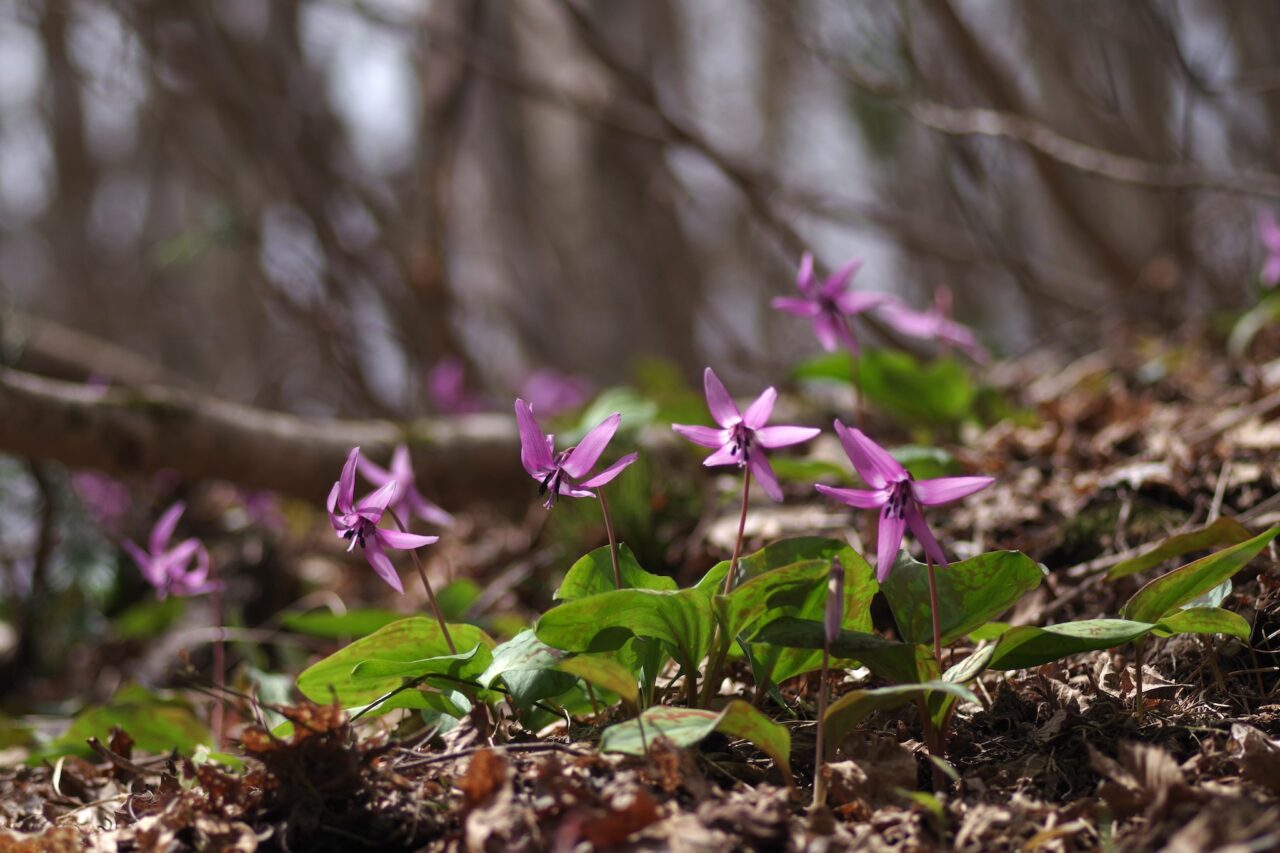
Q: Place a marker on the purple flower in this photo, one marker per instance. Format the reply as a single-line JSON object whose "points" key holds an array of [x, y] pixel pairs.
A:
{"points": [[408, 500], [446, 389], [830, 304], [552, 392], [897, 496], [561, 473], [358, 522], [1269, 234], [742, 437], [105, 498], [935, 324], [169, 570]]}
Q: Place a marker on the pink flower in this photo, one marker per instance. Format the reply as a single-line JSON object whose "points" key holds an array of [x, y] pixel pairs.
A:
{"points": [[831, 304], [898, 497], [552, 392], [1269, 234], [936, 324], [562, 473], [743, 437], [358, 522], [408, 500], [169, 570], [447, 392]]}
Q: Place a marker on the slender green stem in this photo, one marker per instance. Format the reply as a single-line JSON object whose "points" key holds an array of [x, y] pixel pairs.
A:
{"points": [[720, 642], [933, 609], [820, 751], [613, 543], [426, 584]]}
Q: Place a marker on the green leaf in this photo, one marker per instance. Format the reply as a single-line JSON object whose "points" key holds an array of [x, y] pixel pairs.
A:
{"points": [[776, 555], [605, 673], [796, 470], [353, 623], [527, 666], [465, 666], [971, 667], [593, 575], [1204, 620], [989, 631], [786, 588], [455, 597], [637, 411], [844, 715], [1224, 531], [894, 661], [688, 726], [409, 640], [970, 593], [150, 618], [156, 723], [599, 623], [1168, 592], [1028, 646], [926, 463]]}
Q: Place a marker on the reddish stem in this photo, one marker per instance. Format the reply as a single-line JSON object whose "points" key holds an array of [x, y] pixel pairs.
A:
{"points": [[613, 543], [426, 584]]}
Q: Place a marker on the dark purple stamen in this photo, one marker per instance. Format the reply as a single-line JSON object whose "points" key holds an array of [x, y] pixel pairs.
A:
{"points": [[740, 443], [898, 498]]}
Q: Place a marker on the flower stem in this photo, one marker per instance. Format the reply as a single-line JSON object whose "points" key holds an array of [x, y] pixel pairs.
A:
{"points": [[719, 642], [426, 584], [856, 388], [613, 543], [933, 609], [742, 526], [219, 664], [819, 752]]}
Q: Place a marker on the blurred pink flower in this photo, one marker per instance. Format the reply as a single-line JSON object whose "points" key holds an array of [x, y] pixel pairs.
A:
{"points": [[447, 392], [105, 498], [830, 304], [1269, 234], [169, 570], [552, 392], [408, 500], [935, 324]]}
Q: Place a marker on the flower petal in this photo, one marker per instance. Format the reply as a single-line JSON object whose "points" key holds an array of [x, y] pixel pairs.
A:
{"points": [[402, 541], [860, 498], [915, 520], [374, 505], [1271, 271], [838, 281], [888, 542], [347, 482], [703, 435], [907, 321], [723, 409], [804, 275], [582, 457], [758, 413], [824, 329], [534, 454], [946, 489], [876, 467], [726, 455], [609, 473], [857, 301], [401, 464], [162, 532], [784, 436], [382, 564], [763, 472], [374, 473], [798, 307], [332, 504], [428, 511], [152, 570]]}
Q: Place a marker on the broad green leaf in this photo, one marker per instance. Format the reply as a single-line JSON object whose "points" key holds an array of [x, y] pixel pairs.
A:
{"points": [[893, 661], [527, 666], [971, 667], [353, 623], [783, 589], [637, 411], [776, 555], [970, 592], [688, 726], [1027, 646], [926, 463], [156, 723], [844, 715], [600, 623], [150, 618], [1204, 620], [1224, 531], [1257, 318], [1212, 598], [605, 673], [455, 597], [464, 666], [413, 639], [989, 631], [937, 392], [795, 470], [1169, 592], [593, 574]]}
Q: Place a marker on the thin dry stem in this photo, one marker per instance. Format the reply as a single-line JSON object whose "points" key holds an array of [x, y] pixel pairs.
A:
{"points": [[426, 584], [613, 543]]}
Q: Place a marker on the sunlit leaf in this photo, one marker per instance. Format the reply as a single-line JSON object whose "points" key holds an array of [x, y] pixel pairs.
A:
{"points": [[353, 623], [605, 673], [527, 666], [970, 593], [157, 724], [1224, 531], [847, 712], [1027, 646], [1204, 620], [688, 726], [593, 574], [1180, 586]]}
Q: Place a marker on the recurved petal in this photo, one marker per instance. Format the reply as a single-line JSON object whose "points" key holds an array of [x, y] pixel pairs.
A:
{"points": [[907, 321], [374, 505], [609, 473], [824, 329], [915, 520], [785, 436], [888, 542], [859, 498], [162, 532], [804, 275], [723, 410], [381, 563], [761, 409], [374, 472], [839, 280], [763, 473], [401, 464], [347, 482], [876, 467], [403, 541], [1271, 271], [857, 301], [332, 504], [724, 456], [428, 511], [703, 435], [152, 570], [946, 489], [584, 456], [798, 307], [534, 454]]}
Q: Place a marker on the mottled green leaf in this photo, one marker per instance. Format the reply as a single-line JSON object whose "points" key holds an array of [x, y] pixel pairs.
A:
{"points": [[1170, 591], [157, 724], [1027, 646], [527, 666], [1204, 620], [604, 673], [593, 574], [894, 661], [852, 708], [1224, 531]]}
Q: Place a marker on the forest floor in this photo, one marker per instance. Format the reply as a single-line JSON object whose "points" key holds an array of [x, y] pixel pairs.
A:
{"points": [[1128, 446]]}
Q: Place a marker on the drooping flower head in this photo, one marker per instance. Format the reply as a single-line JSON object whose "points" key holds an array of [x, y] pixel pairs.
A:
{"points": [[1269, 234], [358, 522], [830, 304], [743, 437], [408, 501], [566, 472], [898, 497], [935, 324], [170, 571]]}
